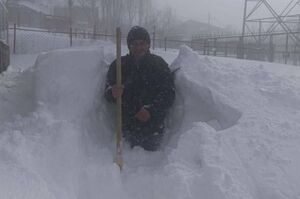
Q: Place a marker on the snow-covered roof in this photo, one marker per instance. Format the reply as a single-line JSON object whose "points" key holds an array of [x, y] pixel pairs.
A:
{"points": [[39, 7]]}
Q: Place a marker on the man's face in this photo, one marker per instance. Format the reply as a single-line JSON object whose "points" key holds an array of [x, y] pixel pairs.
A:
{"points": [[138, 48]]}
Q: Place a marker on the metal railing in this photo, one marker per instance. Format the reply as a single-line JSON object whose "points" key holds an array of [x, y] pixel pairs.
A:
{"points": [[275, 47]]}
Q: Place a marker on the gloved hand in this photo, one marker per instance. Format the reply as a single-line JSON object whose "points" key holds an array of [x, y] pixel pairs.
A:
{"points": [[117, 91], [143, 115]]}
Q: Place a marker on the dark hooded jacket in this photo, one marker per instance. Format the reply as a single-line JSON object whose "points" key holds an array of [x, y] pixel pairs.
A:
{"points": [[148, 83]]}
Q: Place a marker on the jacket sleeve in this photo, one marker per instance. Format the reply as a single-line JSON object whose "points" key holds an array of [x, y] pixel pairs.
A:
{"points": [[166, 90], [110, 81]]}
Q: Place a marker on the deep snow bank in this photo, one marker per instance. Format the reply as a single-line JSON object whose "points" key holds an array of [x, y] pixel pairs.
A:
{"points": [[64, 143], [67, 82], [63, 146], [195, 101]]}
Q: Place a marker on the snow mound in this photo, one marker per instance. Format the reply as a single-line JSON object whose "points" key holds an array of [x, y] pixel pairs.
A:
{"points": [[68, 88], [66, 83], [196, 100], [16, 89], [62, 145]]}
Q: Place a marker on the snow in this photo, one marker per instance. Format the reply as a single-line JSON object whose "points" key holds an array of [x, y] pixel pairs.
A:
{"points": [[232, 133]]}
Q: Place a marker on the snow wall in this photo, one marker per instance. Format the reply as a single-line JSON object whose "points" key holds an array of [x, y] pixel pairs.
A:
{"points": [[62, 146]]}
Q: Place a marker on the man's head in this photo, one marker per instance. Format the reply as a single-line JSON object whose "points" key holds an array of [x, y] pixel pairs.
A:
{"points": [[138, 41]]}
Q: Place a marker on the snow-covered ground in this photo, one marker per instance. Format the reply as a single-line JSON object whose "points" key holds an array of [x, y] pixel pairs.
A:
{"points": [[233, 132]]}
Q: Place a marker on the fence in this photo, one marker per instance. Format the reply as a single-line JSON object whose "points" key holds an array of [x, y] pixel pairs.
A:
{"points": [[4, 56], [4, 49], [33, 40], [275, 47], [3, 23]]}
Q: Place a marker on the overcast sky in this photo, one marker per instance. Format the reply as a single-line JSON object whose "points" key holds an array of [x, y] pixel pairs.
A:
{"points": [[220, 12]]}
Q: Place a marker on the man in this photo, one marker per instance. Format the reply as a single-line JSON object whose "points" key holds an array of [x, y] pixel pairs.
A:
{"points": [[147, 91]]}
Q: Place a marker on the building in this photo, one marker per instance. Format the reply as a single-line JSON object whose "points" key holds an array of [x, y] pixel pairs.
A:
{"points": [[26, 14]]}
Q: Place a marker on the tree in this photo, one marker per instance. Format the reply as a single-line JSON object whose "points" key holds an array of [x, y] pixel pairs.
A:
{"points": [[131, 8], [90, 8], [165, 21]]}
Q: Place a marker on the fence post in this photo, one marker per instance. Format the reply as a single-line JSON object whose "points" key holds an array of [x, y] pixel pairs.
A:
{"points": [[71, 37], [215, 46], [208, 47], [94, 33], [225, 50], [7, 33], [153, 45], [240, 48], [271, 49], [295, 55], [15, 37], [165, 43], [204, 46], [286, 53]]}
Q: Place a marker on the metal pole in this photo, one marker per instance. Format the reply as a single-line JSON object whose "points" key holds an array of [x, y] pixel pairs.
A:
{"points": [[215, 46], [153, 45], [204, 46], [244, 26], [208, 47], [244, 18], [240, 48], [271, 49], [225, 51], [15, 36], [165, 43], [7, 31], [70, 4], [119, 158], [286, 54], [71, 37], [259, 30]]}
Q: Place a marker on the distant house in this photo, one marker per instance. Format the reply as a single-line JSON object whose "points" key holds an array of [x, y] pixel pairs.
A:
{"points": [[26, 14], [56, 23]]}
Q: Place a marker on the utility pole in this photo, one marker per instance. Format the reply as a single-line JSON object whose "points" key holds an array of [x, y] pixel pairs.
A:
{"points": [[244, 18], [94, 17], [70, 6], [241, 42]]}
